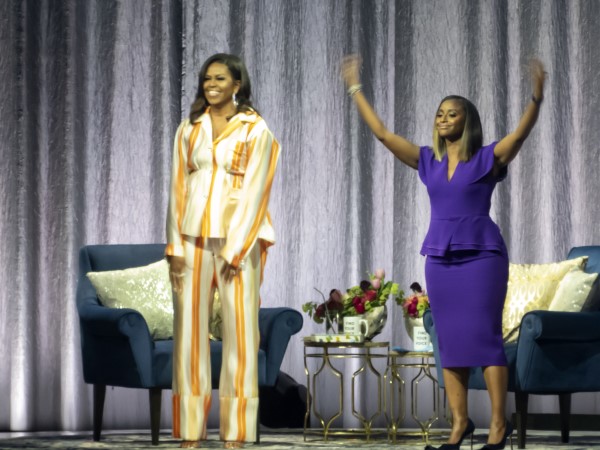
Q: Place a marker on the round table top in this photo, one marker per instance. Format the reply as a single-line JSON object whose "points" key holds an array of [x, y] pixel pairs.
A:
{"points": [[397, 351], [365, 344]]}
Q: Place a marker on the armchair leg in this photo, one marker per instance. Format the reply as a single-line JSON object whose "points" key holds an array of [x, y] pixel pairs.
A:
{"points": [[521, 401], [257, 432], [564, 402], [99, 395], [258, 426], [155, 401]]}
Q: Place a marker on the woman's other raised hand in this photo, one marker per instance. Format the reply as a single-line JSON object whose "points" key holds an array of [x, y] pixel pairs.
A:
{"points": [[538, 78], [351, 69]]}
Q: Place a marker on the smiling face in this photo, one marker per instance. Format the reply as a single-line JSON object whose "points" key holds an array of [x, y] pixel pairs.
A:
{"points": [[450, 120], [219, 86]]}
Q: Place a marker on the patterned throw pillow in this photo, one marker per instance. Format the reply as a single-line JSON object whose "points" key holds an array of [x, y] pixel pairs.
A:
{"points": [[146, 289], [572, 292], [532, 287]]}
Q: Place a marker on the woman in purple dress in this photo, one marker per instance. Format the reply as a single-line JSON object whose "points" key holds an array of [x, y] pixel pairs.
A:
{"points": [[463, 245]]}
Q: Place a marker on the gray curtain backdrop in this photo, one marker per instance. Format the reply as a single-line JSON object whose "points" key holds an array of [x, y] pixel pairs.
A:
{"points": [[92, 92]]}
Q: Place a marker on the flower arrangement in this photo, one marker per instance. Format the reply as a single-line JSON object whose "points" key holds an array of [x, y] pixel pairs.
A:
{"points": [[357, 300], [369, 294], [328, 309], [415, 304]]}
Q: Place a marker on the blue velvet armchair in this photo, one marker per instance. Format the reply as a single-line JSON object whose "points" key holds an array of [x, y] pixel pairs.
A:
{"points": [[117, 348], [557, 353]]}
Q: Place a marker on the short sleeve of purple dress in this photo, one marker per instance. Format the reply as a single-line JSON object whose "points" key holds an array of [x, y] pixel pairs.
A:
{"points": [[467, 263]]}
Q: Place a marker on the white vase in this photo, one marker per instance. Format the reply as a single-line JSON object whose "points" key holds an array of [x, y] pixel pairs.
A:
{"points": [[410, 323], [417, 334], [377, 318]]}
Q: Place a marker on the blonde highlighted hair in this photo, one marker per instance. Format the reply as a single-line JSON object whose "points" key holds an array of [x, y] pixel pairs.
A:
{"points": [[472, 136]]}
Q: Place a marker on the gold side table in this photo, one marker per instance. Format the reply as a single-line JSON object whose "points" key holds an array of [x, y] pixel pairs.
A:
{"points": [[325, 352], [423, 362]]}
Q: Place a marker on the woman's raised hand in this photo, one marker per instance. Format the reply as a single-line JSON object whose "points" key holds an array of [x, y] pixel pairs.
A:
{"points": [[350, 69], [538, 78]]}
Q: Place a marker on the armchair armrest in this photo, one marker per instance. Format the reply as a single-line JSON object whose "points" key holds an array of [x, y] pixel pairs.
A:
{"points": [[558, 352], [101, 321], [276, 326], [560, 326], [107, 333]]}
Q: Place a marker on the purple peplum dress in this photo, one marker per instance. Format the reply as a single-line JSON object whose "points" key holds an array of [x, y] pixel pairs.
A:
{"points": [[467, 263]]}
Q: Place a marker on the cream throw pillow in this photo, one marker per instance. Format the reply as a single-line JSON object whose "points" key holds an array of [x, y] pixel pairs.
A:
{"points": [[532, 287], [572, 292], [146, 289]]}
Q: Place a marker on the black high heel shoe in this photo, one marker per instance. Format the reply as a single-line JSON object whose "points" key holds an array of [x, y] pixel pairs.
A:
{"points": [[500, 445], [468, 431]]}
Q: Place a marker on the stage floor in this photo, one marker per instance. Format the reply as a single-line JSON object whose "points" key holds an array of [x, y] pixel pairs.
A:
{"points": [[273, 440]]}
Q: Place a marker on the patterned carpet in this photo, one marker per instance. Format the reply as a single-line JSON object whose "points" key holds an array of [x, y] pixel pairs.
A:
{"points": [[289, 440]]}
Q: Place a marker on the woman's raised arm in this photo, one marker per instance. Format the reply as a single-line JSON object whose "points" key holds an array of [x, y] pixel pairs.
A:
{"points": [[403, 149], [506, 150]]}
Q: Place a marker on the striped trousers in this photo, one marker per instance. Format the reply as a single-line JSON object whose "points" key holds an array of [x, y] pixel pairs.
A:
{"points": [[238, 382]]}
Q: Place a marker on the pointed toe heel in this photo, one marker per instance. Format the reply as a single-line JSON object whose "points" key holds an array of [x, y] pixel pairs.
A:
{"points": [[468, 431], [500, 445]]}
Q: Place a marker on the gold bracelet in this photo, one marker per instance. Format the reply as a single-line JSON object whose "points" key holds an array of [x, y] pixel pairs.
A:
{"points": [[352, 90]]}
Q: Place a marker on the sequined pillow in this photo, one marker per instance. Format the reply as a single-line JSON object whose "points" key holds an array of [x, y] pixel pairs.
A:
{"points": [[532, 287], [572, 292], [146, 289]]}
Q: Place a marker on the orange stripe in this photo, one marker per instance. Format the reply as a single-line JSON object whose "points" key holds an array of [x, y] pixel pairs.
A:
{"points": [[176, 416], [240, 326], [252, 142], [238, 180], [236, 164], [237, 156], [263, 262], [195, 337], [205, 226], [269, 218], [207, 402], [180, 183], [231, 126], [242, 402], [222, 423], [192, 144], [264, 202]]}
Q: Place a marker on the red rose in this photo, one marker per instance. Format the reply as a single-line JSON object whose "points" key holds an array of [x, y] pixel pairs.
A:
{"points": [[412, 310], [371, 295], [320, 311], [359, 304], [334, 306]]}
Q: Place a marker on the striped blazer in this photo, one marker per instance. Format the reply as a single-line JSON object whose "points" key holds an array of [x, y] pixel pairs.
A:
{"points": [[221, 188]]}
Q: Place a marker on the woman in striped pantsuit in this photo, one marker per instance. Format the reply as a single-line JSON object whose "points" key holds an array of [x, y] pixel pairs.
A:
{"points": [[218, 230]]}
